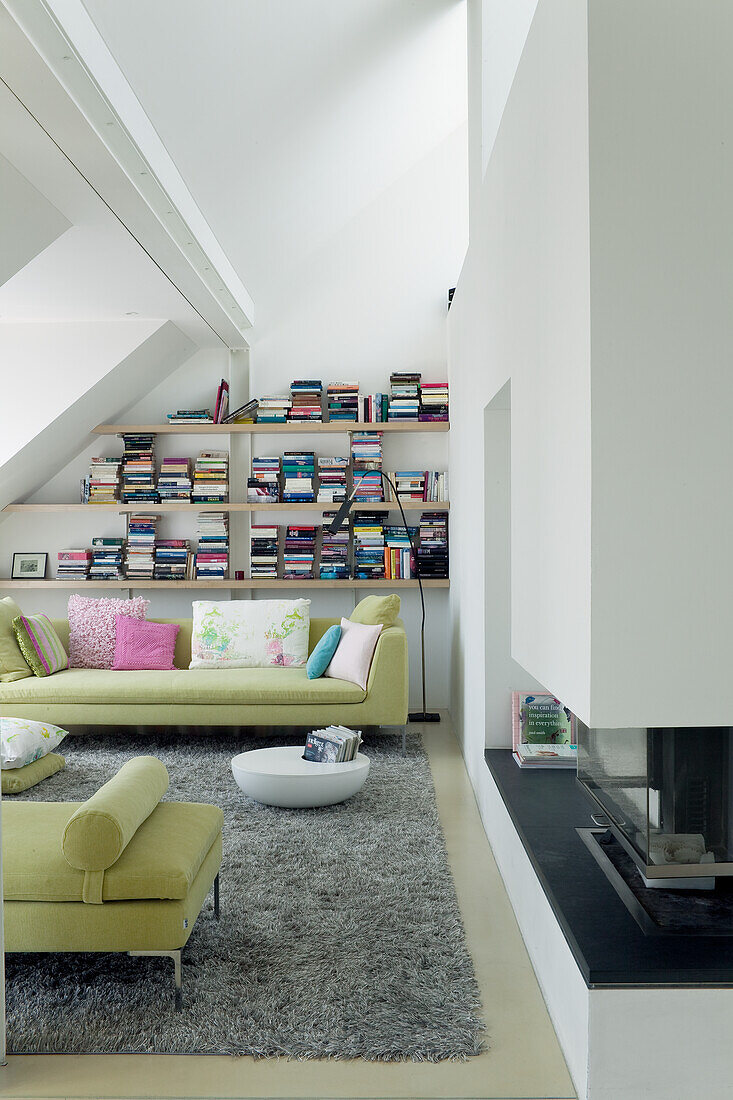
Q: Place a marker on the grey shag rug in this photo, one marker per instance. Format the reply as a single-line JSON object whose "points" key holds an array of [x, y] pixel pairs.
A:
{"points": [[340, 934]]}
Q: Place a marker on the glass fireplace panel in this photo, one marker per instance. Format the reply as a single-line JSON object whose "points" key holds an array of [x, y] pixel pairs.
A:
{"points": [[612, 765], [667, 792]]}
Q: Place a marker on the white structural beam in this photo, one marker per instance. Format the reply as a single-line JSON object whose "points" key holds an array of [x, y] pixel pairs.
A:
{"points": [[56, 62]]}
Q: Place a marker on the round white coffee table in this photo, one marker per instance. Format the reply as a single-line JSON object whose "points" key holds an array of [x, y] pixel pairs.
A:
{"points": [[281, 777]]}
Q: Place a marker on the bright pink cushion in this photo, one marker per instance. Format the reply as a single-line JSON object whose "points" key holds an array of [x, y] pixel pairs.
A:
{"points": [[93, 629], [143, 645]]}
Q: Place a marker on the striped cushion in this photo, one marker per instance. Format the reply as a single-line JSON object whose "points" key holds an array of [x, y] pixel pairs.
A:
{"points": [[40, 645]]}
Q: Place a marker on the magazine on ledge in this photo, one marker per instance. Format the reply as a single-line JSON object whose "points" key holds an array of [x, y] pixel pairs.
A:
{"points": [[544, 732]]}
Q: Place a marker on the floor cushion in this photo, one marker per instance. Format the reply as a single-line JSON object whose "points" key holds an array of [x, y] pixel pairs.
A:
{"points": [[15, 780]]}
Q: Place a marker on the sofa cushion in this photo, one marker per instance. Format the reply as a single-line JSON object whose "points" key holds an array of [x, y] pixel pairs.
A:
{"points": [[275, 686], [377, 610], [13, 665], [161, 861], [100, 830]]}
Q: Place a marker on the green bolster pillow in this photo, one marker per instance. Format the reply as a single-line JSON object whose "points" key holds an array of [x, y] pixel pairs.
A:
{"points": [[100, 830]]}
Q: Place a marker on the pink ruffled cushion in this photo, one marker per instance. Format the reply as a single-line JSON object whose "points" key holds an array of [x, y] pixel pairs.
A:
{"points": [[93, 628], [143, 645]]}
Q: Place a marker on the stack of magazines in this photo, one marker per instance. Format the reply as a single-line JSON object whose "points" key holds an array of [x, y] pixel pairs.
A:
{"points": [[332, 745]]}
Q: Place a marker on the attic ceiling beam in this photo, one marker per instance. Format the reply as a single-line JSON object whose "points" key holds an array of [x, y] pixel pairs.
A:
{"points": [[90, 111]]}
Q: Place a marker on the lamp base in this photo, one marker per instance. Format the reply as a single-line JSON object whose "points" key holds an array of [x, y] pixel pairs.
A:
{"points": [[423, 716]]}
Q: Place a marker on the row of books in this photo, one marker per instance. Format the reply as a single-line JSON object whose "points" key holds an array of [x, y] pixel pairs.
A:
{"points": [[132, 479], [372, 550], [142, 556], [409, 399]]}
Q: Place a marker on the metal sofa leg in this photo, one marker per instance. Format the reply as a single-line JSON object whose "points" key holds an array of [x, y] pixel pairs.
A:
{"points": [[176, 956], [404, 740], [216, 897]]}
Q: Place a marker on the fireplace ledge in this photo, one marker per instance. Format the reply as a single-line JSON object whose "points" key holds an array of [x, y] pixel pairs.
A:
{"points": [[609, 947]]}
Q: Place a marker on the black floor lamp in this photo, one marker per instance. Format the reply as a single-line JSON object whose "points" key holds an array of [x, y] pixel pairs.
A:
{"points": [[341, 516]]}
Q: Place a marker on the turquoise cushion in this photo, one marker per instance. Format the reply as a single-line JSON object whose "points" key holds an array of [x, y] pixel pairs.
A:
{"points": [[320, 658]]}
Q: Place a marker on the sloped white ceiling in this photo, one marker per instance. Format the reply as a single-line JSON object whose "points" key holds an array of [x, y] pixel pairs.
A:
{"points": [[287, 117], [28, 221]]}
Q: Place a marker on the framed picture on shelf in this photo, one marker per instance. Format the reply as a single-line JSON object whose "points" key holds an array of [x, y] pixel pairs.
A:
{"points": [[29, 567]]}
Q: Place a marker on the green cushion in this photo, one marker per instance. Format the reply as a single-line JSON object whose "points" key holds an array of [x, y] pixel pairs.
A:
{"points": [[272, 686], [13, 665], [161, 861], [377, 610], [15, 780], [100, 830]]}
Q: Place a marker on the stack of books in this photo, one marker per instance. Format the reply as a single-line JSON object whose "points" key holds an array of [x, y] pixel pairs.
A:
{"points": [[299, 477], [410, 484], [174, 479], [138, 469], [300, 550], [73, 564], [171, 559], [343, 400], [366, 454], [332, 745], [404, 402], [263, 550], [263, 487], [190, 416], [432, 552], [334, 552], [140, 549], [103, 484], [211, 478], [212, 556], [398, 560], [273, 410], [332, 474], [369, 545], [106, 559], [305, 397], [434, 401], [374, 408]]}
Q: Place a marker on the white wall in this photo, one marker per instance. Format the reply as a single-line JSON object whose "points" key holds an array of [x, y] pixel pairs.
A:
{"points": [[514, 317], [662, 385], [48, 367]]}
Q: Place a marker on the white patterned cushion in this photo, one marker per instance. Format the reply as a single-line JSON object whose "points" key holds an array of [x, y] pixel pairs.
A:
{"points": [[23, 741], [250, 633]]}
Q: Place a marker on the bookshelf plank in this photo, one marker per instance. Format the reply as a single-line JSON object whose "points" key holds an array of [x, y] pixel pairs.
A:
{"points": [[80, 585], [340, 427], [172, 506]]}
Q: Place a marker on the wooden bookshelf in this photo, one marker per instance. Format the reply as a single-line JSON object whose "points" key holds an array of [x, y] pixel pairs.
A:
{"points": [[290, 428], [80, 584], [184, 506]]}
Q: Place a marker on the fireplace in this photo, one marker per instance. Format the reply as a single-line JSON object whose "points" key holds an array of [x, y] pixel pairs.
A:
{"points": [[667, 795]]}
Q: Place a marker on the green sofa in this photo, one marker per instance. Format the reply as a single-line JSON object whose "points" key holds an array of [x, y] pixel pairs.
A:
{"points": [[122, 871], [223, 697]]}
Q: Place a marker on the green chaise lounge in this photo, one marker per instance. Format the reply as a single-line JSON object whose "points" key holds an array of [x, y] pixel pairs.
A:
{"points": [[122, 871]]}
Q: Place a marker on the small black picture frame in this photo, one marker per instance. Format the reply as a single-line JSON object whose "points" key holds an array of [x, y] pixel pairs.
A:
{"points": [[29, 566]]}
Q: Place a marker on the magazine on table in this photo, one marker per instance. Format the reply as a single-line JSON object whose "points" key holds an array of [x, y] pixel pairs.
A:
{"points": [[332, 745], [544, 732]]}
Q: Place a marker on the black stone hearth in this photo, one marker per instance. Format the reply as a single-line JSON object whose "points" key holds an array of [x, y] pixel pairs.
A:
{"points": [[611, 946]]}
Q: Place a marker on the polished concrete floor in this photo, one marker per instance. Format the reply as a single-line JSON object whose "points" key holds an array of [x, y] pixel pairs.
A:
{"points": [[523, 1059]]}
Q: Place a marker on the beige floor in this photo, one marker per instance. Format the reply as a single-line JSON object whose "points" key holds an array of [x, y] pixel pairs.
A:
{"points": [[524, 1059]]}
